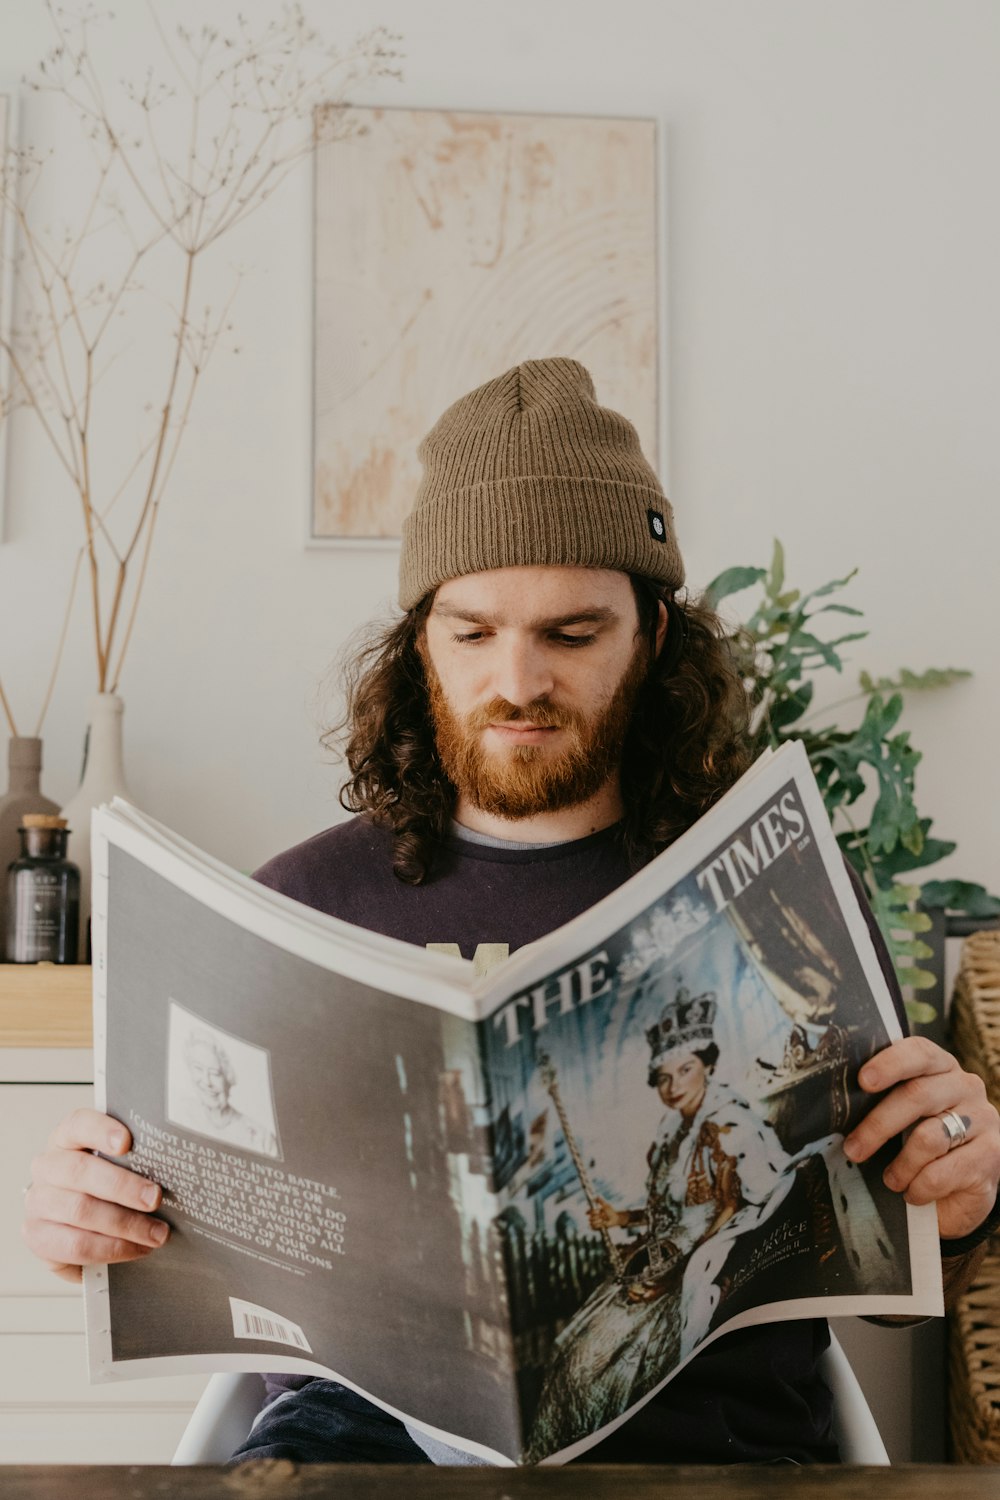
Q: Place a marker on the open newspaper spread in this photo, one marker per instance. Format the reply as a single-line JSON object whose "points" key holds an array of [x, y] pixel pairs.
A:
{"points": [[460, 1195]]}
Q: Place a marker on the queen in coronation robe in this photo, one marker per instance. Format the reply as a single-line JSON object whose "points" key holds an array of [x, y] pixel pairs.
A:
{"points": [[715, 1170]]}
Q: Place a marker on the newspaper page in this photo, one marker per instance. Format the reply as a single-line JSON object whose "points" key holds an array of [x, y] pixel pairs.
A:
{"points": [[301, 1122], [511, 1211]]}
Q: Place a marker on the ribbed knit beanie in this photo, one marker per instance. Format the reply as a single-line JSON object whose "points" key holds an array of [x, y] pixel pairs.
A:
{"points": [[528, 469]]}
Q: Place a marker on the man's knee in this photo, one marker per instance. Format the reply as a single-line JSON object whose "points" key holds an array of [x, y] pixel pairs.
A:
{"points": [[325, 1422]]}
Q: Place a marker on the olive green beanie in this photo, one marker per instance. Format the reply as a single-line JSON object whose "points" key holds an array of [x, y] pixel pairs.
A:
{"points": [[528, 469]]}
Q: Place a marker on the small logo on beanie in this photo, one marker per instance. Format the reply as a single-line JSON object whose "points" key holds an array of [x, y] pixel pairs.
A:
{"points": [[657, 526]]}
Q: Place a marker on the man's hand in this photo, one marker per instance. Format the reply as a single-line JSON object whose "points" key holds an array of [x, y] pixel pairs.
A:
{"points": [[82, 1211], [920, 1082]]}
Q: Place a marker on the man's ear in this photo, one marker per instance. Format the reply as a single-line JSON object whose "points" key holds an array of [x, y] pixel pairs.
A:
{"points": [[662, 621]]}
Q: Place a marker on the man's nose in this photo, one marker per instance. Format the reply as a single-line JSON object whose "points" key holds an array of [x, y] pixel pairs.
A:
{"points": [[521, 674]]}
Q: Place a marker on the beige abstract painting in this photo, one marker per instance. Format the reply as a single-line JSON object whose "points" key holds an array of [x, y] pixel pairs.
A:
{"points": [[451, 246]]}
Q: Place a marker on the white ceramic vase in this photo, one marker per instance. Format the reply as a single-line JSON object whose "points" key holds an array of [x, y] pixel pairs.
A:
{"points": [[103, 778]]}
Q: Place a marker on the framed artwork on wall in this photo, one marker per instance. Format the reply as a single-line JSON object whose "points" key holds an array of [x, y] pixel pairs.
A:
{"points": [[451, 245], [8, 186]]}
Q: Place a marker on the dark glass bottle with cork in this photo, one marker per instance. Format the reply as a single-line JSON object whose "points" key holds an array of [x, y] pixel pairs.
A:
{"points": [[43, 895], [24, 795]]}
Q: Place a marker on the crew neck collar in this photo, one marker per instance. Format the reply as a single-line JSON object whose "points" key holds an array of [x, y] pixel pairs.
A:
{"points": [[468, 842], [490, 841]]}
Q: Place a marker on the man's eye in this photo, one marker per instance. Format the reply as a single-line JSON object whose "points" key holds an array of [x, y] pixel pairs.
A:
{"points": [[572, 640], [469, 638]]}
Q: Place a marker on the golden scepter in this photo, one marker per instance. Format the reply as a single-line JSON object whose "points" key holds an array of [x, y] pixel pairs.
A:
{"points": [[551, 1082]]}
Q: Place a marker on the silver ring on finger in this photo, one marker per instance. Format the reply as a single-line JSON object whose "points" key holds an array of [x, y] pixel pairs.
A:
{"points": [[955, 1127]]}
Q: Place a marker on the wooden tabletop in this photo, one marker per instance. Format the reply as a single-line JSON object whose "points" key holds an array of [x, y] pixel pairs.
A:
{"points": [[262, 1480]]}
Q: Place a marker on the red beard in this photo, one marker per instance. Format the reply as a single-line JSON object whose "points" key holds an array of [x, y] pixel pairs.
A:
{"points": [[524, 780]]}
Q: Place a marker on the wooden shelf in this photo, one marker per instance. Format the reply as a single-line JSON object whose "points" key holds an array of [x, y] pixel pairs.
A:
{"points": [[45, 1005]]}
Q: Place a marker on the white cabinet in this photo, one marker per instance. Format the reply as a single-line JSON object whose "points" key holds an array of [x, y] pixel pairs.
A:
{"points": [[49, 1412]]}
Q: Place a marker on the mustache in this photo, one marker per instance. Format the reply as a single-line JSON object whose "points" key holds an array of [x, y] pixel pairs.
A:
{"points": [[540, 714]]}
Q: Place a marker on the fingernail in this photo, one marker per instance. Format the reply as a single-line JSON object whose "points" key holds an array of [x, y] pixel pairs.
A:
{"points": [[852, 1149], [159, 1231], [865, 1077], [888, 1177], [119, 1141], [150, 1195]]}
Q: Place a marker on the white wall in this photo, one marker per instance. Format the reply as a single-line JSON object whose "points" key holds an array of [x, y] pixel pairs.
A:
{"points": [[834, 341]]}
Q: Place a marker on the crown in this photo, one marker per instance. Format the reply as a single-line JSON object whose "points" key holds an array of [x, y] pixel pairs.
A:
{"points": [[687, 1021]]}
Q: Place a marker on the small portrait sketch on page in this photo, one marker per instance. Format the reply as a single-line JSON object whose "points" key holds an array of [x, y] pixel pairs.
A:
{"points": [[219, 1085]]}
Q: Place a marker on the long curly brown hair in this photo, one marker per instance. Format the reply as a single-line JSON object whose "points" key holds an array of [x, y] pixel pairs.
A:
{"points": [[687, 743]]}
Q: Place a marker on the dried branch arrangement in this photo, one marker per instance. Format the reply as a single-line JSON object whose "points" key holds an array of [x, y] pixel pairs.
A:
{"points": [[180, 159]]}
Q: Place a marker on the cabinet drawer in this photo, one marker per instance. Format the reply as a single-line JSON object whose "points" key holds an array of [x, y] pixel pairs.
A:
{"points": [[89, 1437], [48, 1408], [28, 1114], [50, 1371]]}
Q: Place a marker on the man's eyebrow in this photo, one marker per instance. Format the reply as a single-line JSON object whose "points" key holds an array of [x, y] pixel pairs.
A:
{"points": [[598, 614]]}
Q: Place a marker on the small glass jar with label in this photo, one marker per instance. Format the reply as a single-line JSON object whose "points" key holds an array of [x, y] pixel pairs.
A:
{"points": [[43, 895]]}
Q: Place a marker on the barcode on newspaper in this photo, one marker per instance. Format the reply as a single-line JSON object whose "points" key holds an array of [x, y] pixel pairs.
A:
{"points": [[253, 1322]]}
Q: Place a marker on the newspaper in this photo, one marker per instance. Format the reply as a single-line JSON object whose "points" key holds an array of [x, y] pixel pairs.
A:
{"points": [[507, 1209]]}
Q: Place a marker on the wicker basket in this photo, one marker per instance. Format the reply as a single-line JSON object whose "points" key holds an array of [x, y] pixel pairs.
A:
{"points": [[975, 1012], [974, 1331], [974, 1367]]}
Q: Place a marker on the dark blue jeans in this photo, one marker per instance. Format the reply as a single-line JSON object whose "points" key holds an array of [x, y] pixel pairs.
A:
{"points": [[327, 1423], [754, 1397]]}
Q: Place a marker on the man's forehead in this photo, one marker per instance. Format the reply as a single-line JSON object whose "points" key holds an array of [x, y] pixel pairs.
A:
{"points": [[536, 596]]}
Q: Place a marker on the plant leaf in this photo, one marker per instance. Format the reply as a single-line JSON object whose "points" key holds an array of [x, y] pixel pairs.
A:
{"points": [[855, 635], [786, 710], [915, 949], [959, 895], [901, 859], [919, 1013], [830, 588], [894, 817], [893, 915], [881, 717], [917, 979], [913, 921], [934, 677], [807, 644], [732, 581]]}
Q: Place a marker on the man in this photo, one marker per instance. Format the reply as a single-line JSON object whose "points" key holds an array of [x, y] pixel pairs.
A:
{"points": [[543, 719]]}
